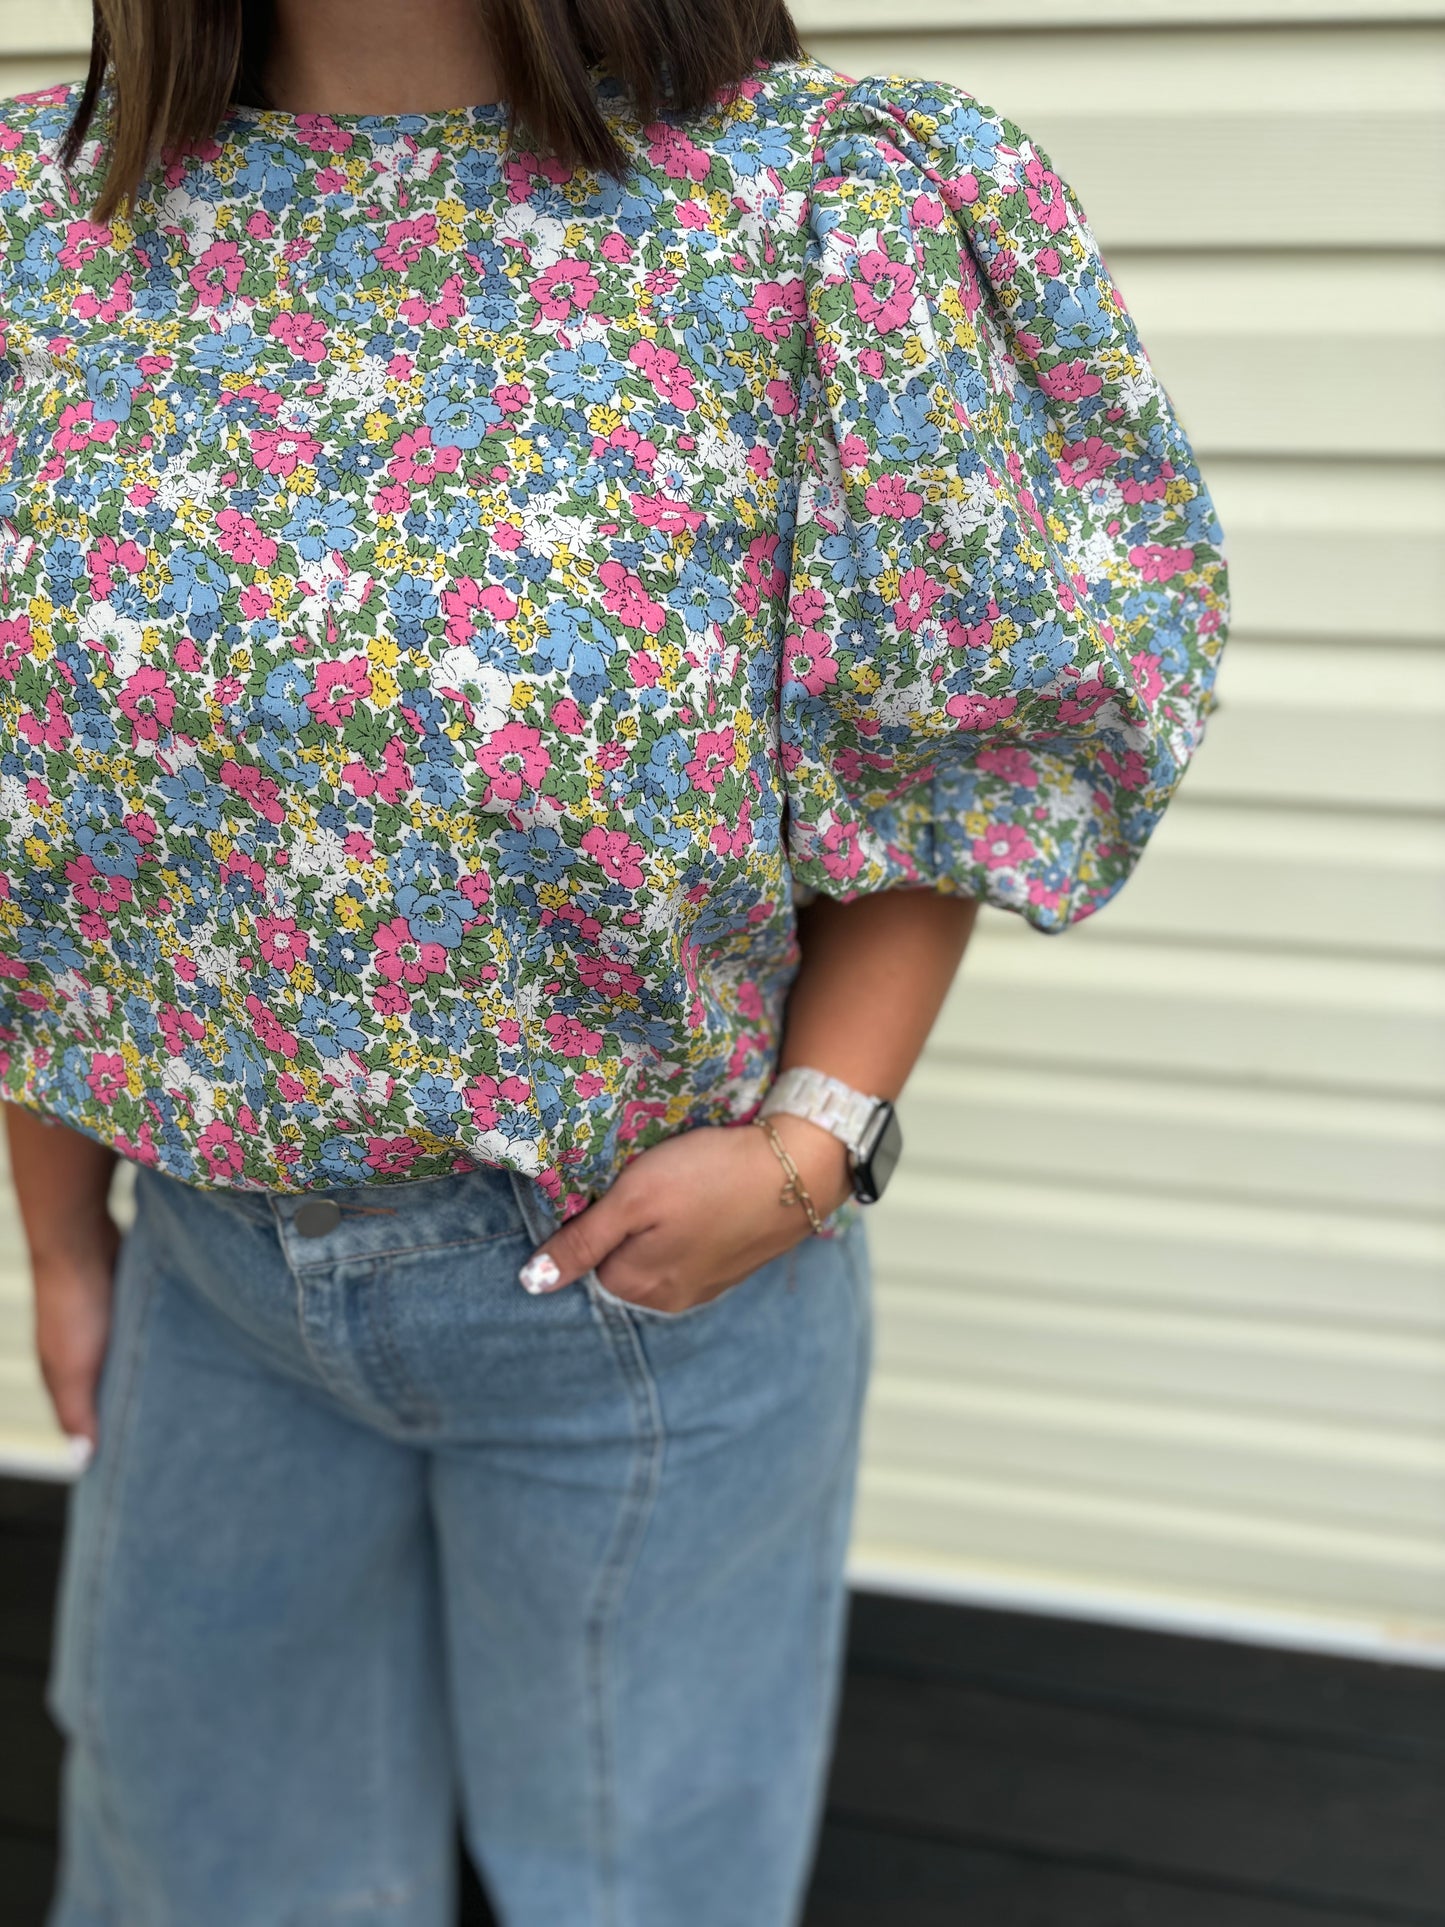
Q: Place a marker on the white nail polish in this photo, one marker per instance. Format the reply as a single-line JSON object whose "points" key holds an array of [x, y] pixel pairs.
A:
{"points": [[539, 1273], [78, 1449]]}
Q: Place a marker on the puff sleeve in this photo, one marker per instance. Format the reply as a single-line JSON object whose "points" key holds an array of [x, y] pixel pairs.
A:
{"points": [[1007, 596]]}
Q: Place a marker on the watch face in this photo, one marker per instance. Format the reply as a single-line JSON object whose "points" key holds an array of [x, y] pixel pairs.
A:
{"points": [[881, 1151]]}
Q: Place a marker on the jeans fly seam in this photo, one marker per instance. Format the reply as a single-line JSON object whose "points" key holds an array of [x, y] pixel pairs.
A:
{"points": [[334, 1385], [620, 1560]]}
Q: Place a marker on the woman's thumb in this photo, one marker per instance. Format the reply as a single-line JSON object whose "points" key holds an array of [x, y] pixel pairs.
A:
{"points": [[581, 1245]]}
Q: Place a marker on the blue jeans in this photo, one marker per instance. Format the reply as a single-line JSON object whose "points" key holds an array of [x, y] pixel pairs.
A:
{"points": [[372, 1536]]}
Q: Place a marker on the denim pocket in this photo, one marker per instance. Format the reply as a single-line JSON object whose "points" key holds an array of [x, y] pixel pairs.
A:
{"points": [[785, 1263]]}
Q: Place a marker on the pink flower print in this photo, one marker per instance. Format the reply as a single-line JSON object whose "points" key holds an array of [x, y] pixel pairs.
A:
{"points": [[417, 462], [564, 289], [918, 591], [840, 855], [106, 1076], [281, 451], [624, 597], [259, 791], [16, 643], [680, 158], [1129, 771], [83, 241], [616, 247], [643, 452], [105, 556], [282, 944], [1002, 846], [665, 371], [97, 891], [270, 1032], [1044, 192], [616, 853], [466, 599], [340, 686], [1158, 563], [220, 1152], [179, 1028], [390, 783], [147, 699], [737, 840], [776, 308], [883, 293], [1048, 263], [974, 712], [609, 976], [514, 759], [481, 1100], [390, 1000], [217, 275], [1008, 761], [713, 761], [890, 495], [403, 957], [237, 535], [389, 1156], [569, 1038], [1147, 678], [1083, 463], [565, 715], [1070, 381], [303, 334], [322, 134], [476, 887], [77, 428], [810, 661], [52, 730], [405, 242]]}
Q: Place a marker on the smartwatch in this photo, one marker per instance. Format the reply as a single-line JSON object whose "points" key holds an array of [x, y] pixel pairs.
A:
{"points": [[868, 1126]]}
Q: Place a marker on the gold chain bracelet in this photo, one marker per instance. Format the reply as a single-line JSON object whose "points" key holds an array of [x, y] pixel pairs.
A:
{"points": [[794, 1191]]}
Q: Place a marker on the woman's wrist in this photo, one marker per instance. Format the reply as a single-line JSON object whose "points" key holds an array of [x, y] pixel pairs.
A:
{"points": [[821, 1158]]}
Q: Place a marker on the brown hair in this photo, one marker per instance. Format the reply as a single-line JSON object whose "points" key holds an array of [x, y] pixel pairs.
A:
{"points": [[175, 65]]}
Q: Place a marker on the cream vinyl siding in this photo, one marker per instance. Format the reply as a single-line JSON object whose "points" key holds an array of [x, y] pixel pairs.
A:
{"points": [[1161, 1283]]}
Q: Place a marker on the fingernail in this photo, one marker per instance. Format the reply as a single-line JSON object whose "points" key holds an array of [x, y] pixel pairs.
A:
{"points": [[78, 1449], [539, 1273]]}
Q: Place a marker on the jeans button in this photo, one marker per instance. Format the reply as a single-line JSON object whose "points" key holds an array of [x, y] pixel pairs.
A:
{"points": [[316, 1217]]}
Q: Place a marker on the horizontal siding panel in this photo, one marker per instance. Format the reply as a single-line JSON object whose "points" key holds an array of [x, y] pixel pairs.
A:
{"points": [[1249, 348], [1184, 139], [966, 1335], [839, 16], [28, 75], [1285, 876], [1208, 1139], [44, 26], [1041, 1535], [1256, 1464], [1083, 999], [1277, 738], [1088, 1243], [1349, 550]]}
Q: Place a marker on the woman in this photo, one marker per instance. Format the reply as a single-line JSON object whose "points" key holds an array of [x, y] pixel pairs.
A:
{"points": [[545, 576]]}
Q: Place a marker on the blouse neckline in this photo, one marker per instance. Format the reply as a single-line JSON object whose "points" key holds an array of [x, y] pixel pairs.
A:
{"points": [[308, 128]]}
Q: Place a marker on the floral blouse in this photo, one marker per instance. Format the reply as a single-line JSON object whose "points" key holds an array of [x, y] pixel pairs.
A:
{"points": [[449, 601]]}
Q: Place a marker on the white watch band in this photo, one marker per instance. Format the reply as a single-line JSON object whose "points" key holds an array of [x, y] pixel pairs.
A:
{"points": [[822, 1100]]}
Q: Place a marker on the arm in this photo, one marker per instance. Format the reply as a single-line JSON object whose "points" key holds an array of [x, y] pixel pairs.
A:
{"points": [[62, 1182], [700, 1211]]}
